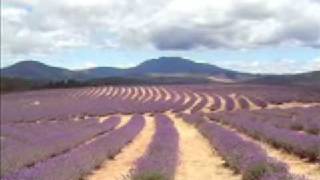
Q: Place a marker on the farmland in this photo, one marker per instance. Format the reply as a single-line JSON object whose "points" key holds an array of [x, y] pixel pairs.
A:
{"points": [[183, 132]]}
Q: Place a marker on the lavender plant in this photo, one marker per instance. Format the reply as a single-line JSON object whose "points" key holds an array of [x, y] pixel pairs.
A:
{"points": [[161, 158]]}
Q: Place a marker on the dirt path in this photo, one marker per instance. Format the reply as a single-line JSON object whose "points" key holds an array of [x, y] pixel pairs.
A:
{"points": [[168, 95], [95, 93], [186, 98], [237, 106], [197, 101], [135, 93], [197, 159], [109, 91], [223, 104], [104, 90], [102, 119], [121, 91], [143, 93], [149, 94], [252, 106], [88, 92], [177, 96], [158, 94], [127, 95], [76, 93], [119, 168], [292, 105], [85, 92], [124, 120], [115, 92], [296, 165]]}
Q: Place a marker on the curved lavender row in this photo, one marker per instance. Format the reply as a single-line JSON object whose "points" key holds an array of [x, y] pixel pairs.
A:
{"points": [[217, 103], [242, 156], [309, 113], [296, 122], [179, 104], [303, 145], [37, 142], [194, 119], [201, 104], [258, 102], [161, 157], [51, 106], [230, 105], [189, 103], [81, 160], [243, 103]]}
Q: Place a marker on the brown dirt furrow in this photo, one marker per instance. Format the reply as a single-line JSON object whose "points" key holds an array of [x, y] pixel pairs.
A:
{"points": [[237, 106], [252, 106], [222, 104], [120, 167], [290, 105], [295, 164], [197, 101], [109, 91], [198, 160], [135, 93]]}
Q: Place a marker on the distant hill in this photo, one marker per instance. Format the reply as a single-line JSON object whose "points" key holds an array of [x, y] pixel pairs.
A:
{"points": [[161, 70], [175, 65], [35, 70], [161, 67], [310, 78], [102, 72]]}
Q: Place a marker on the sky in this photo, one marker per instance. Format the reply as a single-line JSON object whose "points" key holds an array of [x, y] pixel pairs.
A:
{"points": [[259, 36]]}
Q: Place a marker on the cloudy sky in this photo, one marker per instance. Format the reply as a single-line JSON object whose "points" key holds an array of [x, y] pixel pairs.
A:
{"points": [[265, 36]]}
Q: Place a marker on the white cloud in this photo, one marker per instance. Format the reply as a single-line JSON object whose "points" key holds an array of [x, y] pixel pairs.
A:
{"points": [[281, 66], [90, 65], [43, 27]]}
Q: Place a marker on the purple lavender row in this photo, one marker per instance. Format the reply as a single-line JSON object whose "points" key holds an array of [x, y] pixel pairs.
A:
{"points": [[217, 103], [189, 103], [259, 102], [230, 105], [243, 103], [201, 104], [296, 122], [83, 159], [303, 145], [244, 157], [161, 158], [310, 113], [52, 107], [26, 144], [179, 104]]}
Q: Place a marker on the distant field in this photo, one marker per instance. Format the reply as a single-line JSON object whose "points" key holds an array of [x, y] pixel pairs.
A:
{"points": [[183, 132]]}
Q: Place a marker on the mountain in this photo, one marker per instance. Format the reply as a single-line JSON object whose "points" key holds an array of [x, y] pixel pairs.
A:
{"points": [[27, 75], [175, 65], [102, 72], [35, 70], [179, 67], [162, 67]]}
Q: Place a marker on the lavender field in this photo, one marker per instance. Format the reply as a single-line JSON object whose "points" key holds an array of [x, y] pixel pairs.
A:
{"points": [[163, 132]]}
